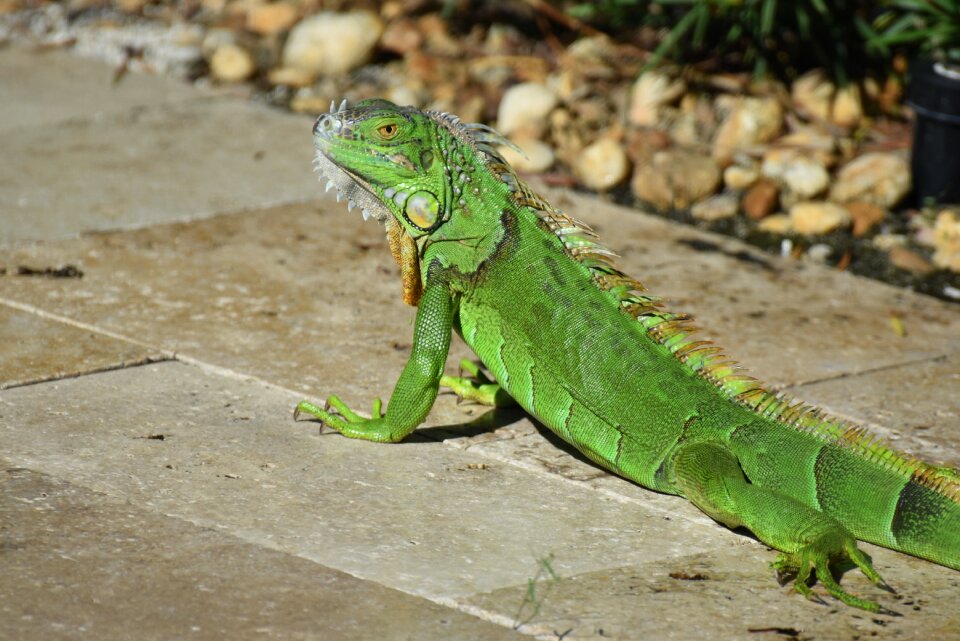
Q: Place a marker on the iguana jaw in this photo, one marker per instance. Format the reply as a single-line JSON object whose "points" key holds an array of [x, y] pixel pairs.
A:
{"points": [[357, 191]]}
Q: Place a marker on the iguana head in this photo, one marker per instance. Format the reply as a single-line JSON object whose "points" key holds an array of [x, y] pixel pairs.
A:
{"points": [[383, 159], [412, 170]]}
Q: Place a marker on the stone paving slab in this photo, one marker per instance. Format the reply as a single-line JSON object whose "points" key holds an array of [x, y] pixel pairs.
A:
{"points": [[146, 165], [306, 296], [81, 565], [47, 88], [726, 594], [318, 288], [916, 407], [34, 349], [420, 516]]}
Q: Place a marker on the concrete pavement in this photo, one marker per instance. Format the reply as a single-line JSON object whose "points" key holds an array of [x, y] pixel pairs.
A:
{"points": [[155, 485]]}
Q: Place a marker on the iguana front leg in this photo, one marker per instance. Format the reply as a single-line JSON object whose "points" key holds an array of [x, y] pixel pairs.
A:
{"points": [[416, 389], [709, 475]]}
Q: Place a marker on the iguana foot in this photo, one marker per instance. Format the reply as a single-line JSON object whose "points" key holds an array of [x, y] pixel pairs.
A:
{"points": [[829, 549], [477, 387], [348, 422]]}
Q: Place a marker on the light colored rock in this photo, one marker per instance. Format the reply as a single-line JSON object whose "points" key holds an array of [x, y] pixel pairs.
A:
{"points": [[946, 240], [290, 76], [802, 175], [683, 127], [675, 178], [776, 224], [537, 155], [232, 63], [273, 18], [888, 241], [812, 142], [812, 94], [331, 43], [525, 108], [805, 178], [402, 36], [214, 39], [602, 165], [740, 177], [847, 109], [818, 253], [818, 217], [716, 208], [752, 121], [865, 216], [881, 178], [650, 92]]}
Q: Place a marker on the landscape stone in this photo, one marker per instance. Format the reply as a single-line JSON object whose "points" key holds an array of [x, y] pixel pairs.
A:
{"points": [[649, 93], [812, 94], [716, 207], [330, 43], [675, 179], [232, 63], [272, 18], [847, 108], [752, 121], [761, 199], [910, 261], [525, 108], [776, 224], [739, 177], [946, 240], [804, 178], [818, 217], [865, 216], [881, 178], [537, 156], [603, 164]]}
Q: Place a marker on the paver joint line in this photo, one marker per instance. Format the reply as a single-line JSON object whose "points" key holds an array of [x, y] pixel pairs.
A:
{"points": [[936, 358], [147, 360]]}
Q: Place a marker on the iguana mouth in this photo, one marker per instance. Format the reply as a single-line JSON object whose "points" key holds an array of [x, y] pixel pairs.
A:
{"points": [[355, 189]]}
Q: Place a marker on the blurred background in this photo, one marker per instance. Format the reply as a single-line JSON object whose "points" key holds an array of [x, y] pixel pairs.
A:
{"points": [[824, 131]]}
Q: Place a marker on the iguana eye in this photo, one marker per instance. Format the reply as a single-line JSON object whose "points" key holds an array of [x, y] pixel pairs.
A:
{"points": [[388, 130], [422, 210]]}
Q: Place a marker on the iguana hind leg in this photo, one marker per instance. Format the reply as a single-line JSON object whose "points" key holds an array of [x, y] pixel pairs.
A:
{"points": [[709, 475], [477, 387]]}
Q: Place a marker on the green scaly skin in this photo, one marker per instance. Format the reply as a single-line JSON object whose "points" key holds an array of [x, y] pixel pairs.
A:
{"points": [[580, 346]]}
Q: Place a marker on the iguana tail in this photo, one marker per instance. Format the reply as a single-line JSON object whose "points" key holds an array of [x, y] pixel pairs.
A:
{"points": [[925, 518], [880, 495]]}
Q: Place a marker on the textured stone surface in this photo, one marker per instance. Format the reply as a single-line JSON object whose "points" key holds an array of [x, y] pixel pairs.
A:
{"points": [[45, 89], [728, 594], [915, 406], [421, 516], [79, 564], [277, 293], [150, 165], [34, 349]]}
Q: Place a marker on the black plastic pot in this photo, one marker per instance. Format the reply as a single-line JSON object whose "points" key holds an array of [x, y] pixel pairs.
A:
{"points": [[935, 97]]}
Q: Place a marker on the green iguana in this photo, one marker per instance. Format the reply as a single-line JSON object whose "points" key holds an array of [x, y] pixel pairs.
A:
{"points": [[580, 346]]}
